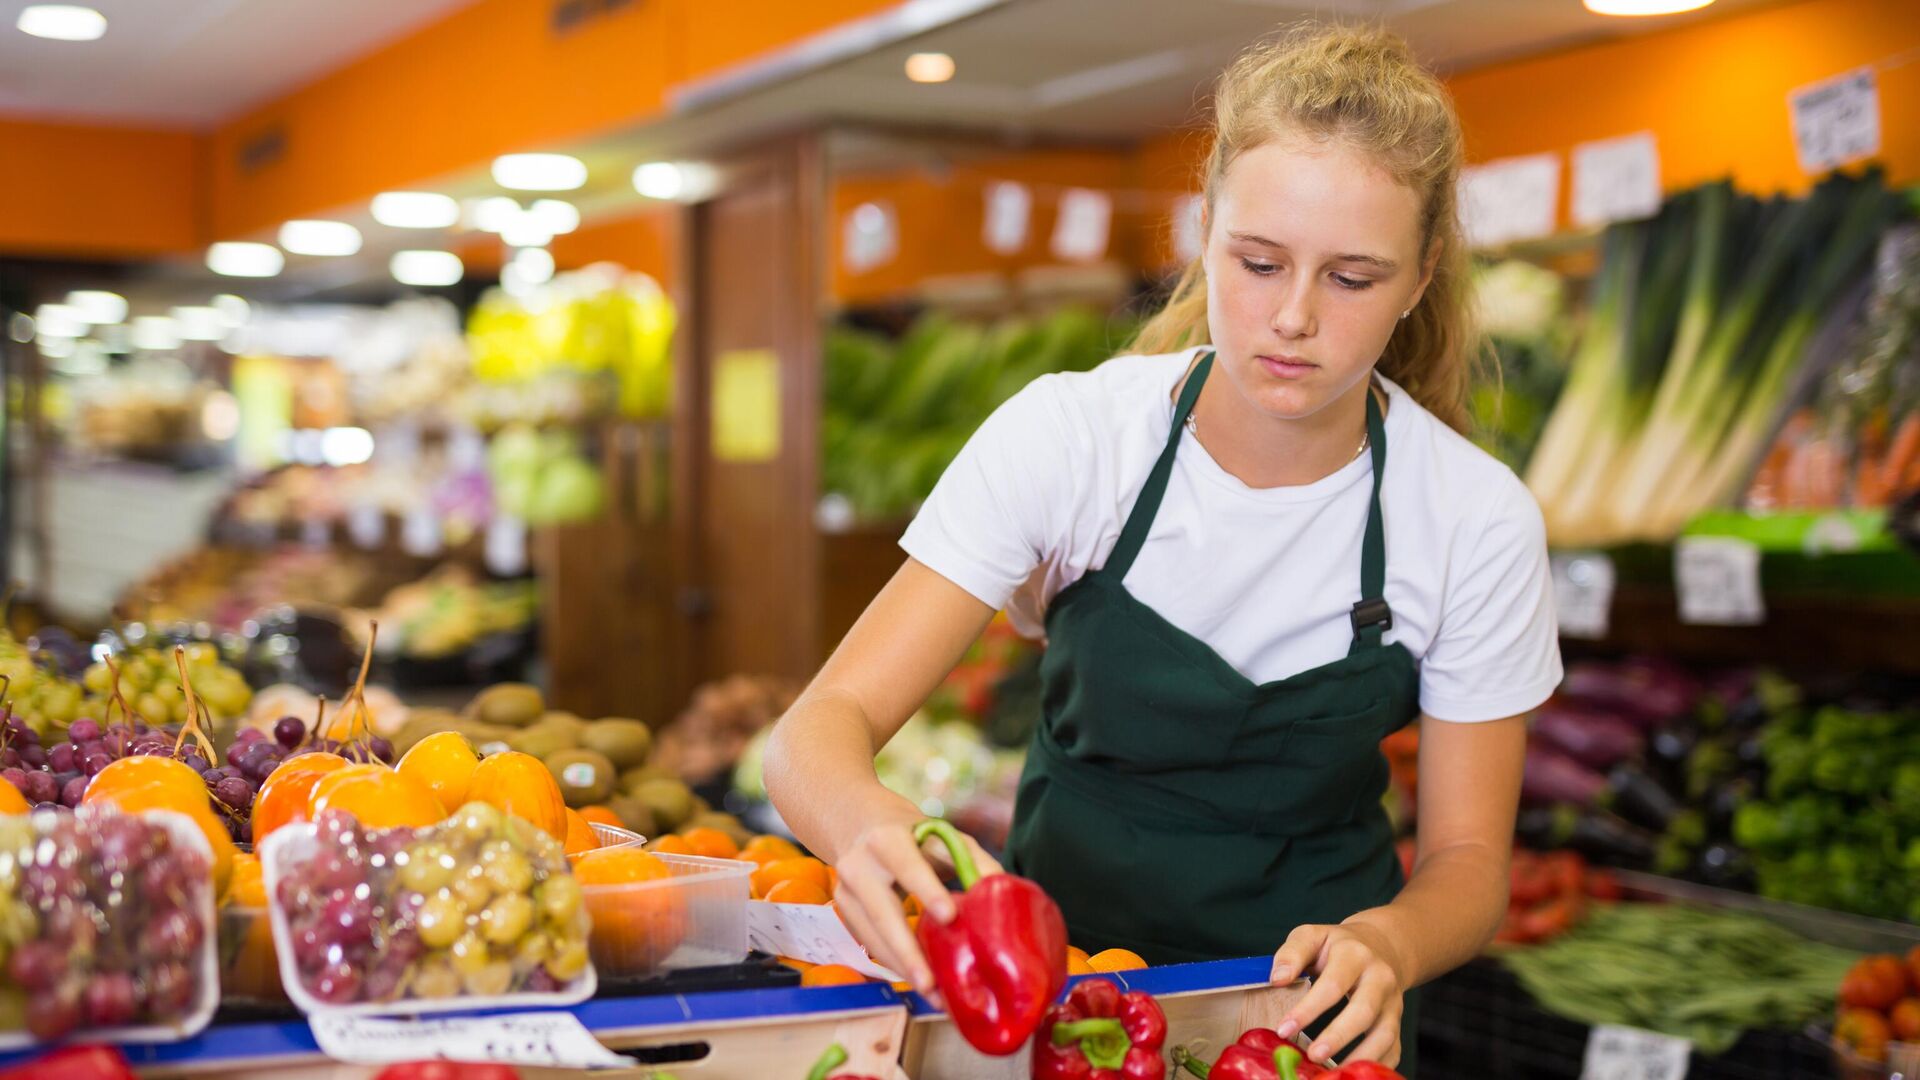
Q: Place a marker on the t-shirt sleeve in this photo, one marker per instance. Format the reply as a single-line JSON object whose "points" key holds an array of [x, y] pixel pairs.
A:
{"points": [[1497, 650], [998, 509]]}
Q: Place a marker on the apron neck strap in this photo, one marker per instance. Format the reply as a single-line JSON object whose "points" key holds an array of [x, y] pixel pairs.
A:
{"points": [[1134, 533], [1371, 616]]}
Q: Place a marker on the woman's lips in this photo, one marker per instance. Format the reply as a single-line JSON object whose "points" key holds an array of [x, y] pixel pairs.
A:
{"points": [[1287, 367]]}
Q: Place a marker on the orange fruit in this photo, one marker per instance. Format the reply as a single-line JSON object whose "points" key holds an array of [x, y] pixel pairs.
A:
{"points": [[283, 798], [580, 835], [519, 784], [911, 905], [1077, 961], [445, 762], [766, 849], [11, 801], [670, 844], [634, 929], [601, 815], [143, 769], [801, 869], [376, 796], [247, 887], [712, 843], [797, 891], [832, 975], [800, 966], [1113, 960]]}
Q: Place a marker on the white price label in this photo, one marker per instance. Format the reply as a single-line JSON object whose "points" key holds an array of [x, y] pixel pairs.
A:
{"points": [[1616, 180], [1510, 199], [870, 237], [1836, 121], [548, 1039], [506, 546], [1583, 593], [367, 525], [1009, 205], [316, 534], [420, 534], [1624, 1053], [809, 932], [1718, 579], [1080, 232]]}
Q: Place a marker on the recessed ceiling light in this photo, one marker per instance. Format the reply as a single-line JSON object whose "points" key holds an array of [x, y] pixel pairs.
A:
{"points": [[200, 323], [427, 269], [539, 172], [62, 22], [156, 333], [494, 214], [929, 67], [98, 308], [659, 180], [415, 210], [534, 265], [327, 238], [1644, 7], [234, 310], [235, 259], [58, 321], [555, 215]]}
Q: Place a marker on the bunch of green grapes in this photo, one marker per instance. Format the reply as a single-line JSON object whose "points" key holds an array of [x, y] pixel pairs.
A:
{"points": [[150, 682], [38, 695]]}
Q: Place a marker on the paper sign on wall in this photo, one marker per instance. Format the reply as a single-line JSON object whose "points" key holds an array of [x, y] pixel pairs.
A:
{"points": [[1624, 1053], [1616, 180], [746, 406], [809, 932], [1189, 231], [1583, 593], [1009, 207], [1510, 199], [1718, 579], [1080, 231], [870, 237], [1836, 121], [550, 1039]]}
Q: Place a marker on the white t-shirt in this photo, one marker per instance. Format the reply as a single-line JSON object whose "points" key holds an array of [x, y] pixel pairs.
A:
{"points": [[1267, 577]]}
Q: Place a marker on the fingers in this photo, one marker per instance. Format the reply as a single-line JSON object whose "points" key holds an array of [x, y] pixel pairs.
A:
{"points": [[1372, 1005], [1339, 971], [937, 854], [1299, 954], [867, 899], [1382, 1044], [903, 862]]}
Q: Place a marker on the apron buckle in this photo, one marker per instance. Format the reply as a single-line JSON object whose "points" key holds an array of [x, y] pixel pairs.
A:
{"points": [[1374, 612]]}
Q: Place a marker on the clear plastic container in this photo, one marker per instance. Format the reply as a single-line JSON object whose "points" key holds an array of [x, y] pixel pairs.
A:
{"points": [[195, 901], [390, 970], [612, 836], [249, 962], [695, 918]]}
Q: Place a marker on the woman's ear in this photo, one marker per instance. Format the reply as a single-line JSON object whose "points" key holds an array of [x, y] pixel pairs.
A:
{"points": [[1427, 268]]}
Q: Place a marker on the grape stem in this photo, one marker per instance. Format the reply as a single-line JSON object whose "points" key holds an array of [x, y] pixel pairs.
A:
{"points": [[192, 726], [359, 723], [113, 671]]}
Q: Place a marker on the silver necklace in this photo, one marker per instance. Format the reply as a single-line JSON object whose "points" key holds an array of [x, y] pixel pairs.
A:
{"points": [[1193, 428]]}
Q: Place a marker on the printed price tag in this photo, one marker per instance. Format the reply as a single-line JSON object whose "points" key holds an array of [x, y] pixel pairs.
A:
{"points": [[1616, 180], [870, 237], [809, 932], [1583, 593], [1624, 1053], [1836, 121], [506, 546], [1718, 579], [1080, 232], [549, 1039], [1510, 199], [1009, 205]]}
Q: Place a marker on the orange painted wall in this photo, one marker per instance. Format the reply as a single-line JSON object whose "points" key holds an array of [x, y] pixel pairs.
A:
{"points": [[102, 192], [645, 242]]}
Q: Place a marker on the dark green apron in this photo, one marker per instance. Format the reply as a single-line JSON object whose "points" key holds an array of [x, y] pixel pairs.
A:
{"points": [[1177, 809]]}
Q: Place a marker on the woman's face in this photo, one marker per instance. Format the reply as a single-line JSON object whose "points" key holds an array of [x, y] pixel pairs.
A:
{"points": [[1312, 253]]}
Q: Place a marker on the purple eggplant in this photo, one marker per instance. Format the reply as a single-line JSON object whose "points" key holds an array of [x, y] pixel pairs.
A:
{"points": [[1646, 691], [1593, 737], [1552, 777]]}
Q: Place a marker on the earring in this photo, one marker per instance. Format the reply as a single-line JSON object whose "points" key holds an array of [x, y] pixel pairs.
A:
{"points": [[1406, 313]]}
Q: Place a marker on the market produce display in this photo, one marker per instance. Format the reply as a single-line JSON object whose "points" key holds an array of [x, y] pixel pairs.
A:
{"points": [[1261, 1054], [447, 612], [898, 412], [1700, 974], [543, 477], [482, 904], [1099, 1028], [1701, 319], [150, 681], [105, 923], [1879, 1004], [1522, 314], [721, 729], [598, 322]]}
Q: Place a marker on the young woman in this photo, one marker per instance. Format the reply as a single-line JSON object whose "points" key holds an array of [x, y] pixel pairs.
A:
{"points": [[1254, 550]]}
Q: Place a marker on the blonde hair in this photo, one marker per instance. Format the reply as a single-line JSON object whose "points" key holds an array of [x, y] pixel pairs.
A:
{"points": [[1362, 86]]}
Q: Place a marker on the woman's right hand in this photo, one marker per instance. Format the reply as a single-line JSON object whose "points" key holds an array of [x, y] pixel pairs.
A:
{"points": [[881, 859]]}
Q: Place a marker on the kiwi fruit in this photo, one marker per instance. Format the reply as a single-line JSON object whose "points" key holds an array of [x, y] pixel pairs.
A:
{"points": [[561, 720], [548, 735], [625, 742], [726, 823], [420, 724], [584, 777], [632, 813], [508, 704], [669, 801], [640, 774]]}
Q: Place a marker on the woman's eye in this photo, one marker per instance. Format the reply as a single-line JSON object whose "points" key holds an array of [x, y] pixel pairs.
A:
{"points": [[1259, 268], [1356, 284]]}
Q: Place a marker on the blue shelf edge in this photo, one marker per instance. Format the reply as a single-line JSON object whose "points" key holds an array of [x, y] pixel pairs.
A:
{"points": [[1170, 979]]}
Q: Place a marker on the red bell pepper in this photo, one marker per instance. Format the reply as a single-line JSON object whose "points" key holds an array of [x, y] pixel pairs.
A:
{"points": [[74, 1063], [1098, 1033], [1002, 959], [835, 1057], [1259, 1054], [448, 1070]]}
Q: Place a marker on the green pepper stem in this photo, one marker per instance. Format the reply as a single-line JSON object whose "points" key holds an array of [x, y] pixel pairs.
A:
{"points": [[956, 845], [1103, 1040], [1183, 1059], [835, 1057], [1286, 1062]]}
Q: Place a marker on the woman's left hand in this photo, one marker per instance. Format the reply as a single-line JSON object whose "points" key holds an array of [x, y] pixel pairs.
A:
{"points": [[1352, 960]]}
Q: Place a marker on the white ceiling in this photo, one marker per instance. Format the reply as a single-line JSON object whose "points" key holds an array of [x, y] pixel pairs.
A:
{"points": [[194, 63]]}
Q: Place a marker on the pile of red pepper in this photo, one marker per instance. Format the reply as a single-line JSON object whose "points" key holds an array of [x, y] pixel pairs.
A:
{"points": [[1261, 1054], [1548, 893], [1099, 1033]]}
